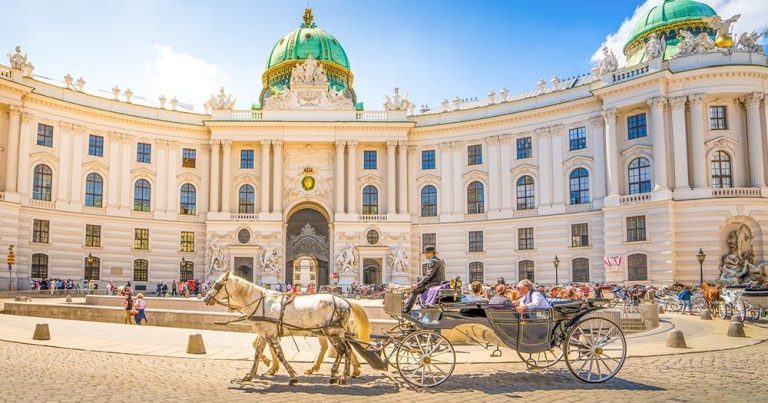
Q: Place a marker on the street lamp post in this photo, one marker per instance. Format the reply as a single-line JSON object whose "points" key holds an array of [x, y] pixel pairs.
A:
{"points": [[11, 259], [701, 256], [556, 262]]}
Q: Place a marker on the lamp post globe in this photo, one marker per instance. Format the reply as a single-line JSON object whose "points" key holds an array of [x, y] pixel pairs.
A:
{"points": [[556, 263], [701, 256]]}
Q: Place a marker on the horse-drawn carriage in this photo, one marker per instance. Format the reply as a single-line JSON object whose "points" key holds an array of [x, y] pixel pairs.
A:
{"points": [[748, 303]]}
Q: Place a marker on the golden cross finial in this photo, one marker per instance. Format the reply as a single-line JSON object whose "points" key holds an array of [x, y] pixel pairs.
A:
{"points": [[308, 17]]}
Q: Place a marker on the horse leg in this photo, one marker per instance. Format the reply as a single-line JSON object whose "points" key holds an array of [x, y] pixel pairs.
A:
{"points": [[275, 363], [347, 360], [258, 345], [338, 345], [323, 348], [355, 365], [274, 342]]}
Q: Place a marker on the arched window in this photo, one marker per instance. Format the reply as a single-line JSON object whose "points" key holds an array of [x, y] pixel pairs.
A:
{"points": [[42, 184], [637, 267], [140, 270], [188, 199], [721, 170], [476, 272], [142, 195], [475, 198], [580, 268], [186, 270], [92, 265], [526, 193], [579, 185], [370, 200], [639, 176], [246, 200], [94, 190], [429, 201], [525, 270], [39, 266]]}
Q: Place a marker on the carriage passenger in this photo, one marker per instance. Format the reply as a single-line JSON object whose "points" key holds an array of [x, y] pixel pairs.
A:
{"points": [[477, 293], [531, 299], [501, 296]]}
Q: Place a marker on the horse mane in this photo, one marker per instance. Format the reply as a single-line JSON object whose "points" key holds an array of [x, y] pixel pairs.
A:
{"points": [[246, 287]]}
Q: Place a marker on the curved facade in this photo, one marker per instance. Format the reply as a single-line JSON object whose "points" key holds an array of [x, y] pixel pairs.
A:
{"points": [[640, 166]]}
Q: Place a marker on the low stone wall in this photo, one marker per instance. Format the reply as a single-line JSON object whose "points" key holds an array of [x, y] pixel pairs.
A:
{"points": [[176, 304]]}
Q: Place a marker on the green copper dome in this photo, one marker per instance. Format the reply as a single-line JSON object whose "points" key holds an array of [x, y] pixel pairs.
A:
{"points": [[307, 40], [668, 13]]}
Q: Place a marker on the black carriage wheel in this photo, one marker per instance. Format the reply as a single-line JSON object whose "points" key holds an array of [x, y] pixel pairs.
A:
{"points": [[725, 310], [543, 359], [393, 337], [595, 350], [425, 359]]}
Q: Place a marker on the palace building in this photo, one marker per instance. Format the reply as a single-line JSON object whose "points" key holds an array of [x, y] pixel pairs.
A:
{"points": [[623, 173]]}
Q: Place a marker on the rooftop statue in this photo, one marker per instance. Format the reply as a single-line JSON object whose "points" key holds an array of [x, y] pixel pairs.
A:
{"points": [[222, 101], [309, 72], [609, 63], [18, 60], [723, 28], [398, 103], [748, 42], [654, 47]]}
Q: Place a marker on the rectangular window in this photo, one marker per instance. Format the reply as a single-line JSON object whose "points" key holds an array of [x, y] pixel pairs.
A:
{"points": [[717, 118], [579, 235], [44, 135], [92, 235], [475, 241], [140, 270], [188, 157], [95, 145], [636, 127], [428, 159], [525, 238], [369, 159], [141, 239], [577, 138], [246, 159], [524, 147], [636, 228], [40, 231], [187, 241], [475, 154], [186, 271], [429, 239], [144, 153]]}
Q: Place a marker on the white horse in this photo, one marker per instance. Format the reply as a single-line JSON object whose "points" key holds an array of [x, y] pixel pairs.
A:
{"points": [[270, 312]]}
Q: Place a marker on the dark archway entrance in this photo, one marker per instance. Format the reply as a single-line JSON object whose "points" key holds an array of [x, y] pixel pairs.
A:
{"points": [[307, 252]]}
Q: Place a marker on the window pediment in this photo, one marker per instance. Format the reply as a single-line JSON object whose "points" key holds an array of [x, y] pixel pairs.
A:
{"points": [[95, 165], [475, 175], [142, 172], [428, 179], [371, 179], [524, 169], [638, 149], [188, 177], [44, 155], [722, 142], [578, 161]]}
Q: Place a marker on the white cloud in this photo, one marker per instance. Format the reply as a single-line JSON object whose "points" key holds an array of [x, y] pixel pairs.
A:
{"points": [[190, 79], [754, 17]]}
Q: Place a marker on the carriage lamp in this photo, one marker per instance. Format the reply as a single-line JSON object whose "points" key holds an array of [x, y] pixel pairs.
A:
{"points": [[556, 262], [89, 259], [701, 256]]}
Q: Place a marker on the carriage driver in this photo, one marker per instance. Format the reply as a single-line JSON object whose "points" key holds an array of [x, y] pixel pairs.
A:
{"points": [[435, 276], [530, 298]]}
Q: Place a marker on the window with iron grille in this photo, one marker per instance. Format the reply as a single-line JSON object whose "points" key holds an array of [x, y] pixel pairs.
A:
{"points": [[428, 159], [187, 241], [524, 148], [140, 270], [144, 153], [93, 235], [579, 235], [475, 154], [637, 267], [95, 145], [429, 201], [44, 135], [476, 272], [39, 266], [636, 126], [525, 270], [636, 228], [188, 157], [41, 231], [92, 266], [141, 239], [525, 238], [369, 159], [717, 118], [246, 159], [580, 270], [721, 170], [428, 239], [475, 241], [186, 271], [577, 138]]}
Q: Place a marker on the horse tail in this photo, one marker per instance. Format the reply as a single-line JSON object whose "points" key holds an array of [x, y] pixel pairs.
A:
{"points": [[361, 323]]}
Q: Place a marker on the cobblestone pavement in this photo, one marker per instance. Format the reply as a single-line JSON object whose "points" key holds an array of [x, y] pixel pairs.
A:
{"points": [[37, 374]]}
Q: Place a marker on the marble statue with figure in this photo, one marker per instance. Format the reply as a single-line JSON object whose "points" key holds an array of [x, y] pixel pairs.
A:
{"points": [[398, 102], [216, 261], [747, 42], [398, 260], [268, 259], [221, 101], [723, 38], [310, 72], [609, 63], [655, 46], [18, 60], [345, 260], [737, 266]]}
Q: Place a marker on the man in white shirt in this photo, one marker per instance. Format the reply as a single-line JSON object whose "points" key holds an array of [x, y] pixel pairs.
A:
{"points": [[530, 299]]}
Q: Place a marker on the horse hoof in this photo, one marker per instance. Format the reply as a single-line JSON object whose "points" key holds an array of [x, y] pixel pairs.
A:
{"points": [[309, 371], [343, 381], [356, 374], [270, 373], [334, 381], [293, 381], [247, 378]]}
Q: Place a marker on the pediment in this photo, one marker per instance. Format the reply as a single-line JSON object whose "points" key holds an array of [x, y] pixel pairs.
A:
{"points": [[429, 178], [142, 172], [246, 177], [578, 160], [95, 165], [370, 178], [474, 174], [44, 155], [524, 169], [188, 177], [637, 149], [722, 142]]}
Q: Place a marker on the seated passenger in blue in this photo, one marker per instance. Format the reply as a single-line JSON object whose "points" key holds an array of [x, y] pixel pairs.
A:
{"points": [[477, 293], [530, 298], [501, 296]]}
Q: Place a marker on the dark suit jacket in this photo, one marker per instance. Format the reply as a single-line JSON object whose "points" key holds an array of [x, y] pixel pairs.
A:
{"points": [[435, 274]]}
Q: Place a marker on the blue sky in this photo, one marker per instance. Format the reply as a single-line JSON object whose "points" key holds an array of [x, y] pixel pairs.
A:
{"points": [[430, 49]]}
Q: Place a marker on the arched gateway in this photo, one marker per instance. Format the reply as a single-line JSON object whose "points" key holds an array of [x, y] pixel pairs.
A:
{"points": [[307, 250]]}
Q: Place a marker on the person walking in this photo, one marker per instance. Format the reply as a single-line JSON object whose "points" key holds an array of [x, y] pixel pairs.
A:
{"points": [[140, 305], [685, 297], [173, 288], [127, 309], [165, 289]]}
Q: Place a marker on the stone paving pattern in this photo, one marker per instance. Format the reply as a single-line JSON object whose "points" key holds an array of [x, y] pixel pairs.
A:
{"points": [[39, 373]]}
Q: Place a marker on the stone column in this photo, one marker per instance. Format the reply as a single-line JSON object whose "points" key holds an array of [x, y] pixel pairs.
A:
{"points": [[679, 140], [265, 163], [226, 176], [66, 132], [26, 136], [545, 181], [446, 179], [125, 173], [402, 173], [597, 137], [556, 137], [12, 150], [754, 139], [172, 200], [113, 182], [658, 137], [204, 152], [413, 194], [458, 191], [214, 190], [611, 152], [391, 178], [352, 177], [505, 181], [338, 180], [76, 187], [698, 152], [277, 177], [162, 182], [494, 183]]}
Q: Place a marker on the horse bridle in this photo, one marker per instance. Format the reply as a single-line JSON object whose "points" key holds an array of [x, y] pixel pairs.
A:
{"points": [[217, 287]]}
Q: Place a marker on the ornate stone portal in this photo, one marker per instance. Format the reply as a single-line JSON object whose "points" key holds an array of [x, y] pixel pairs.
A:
{"points": [[737, 266]]}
